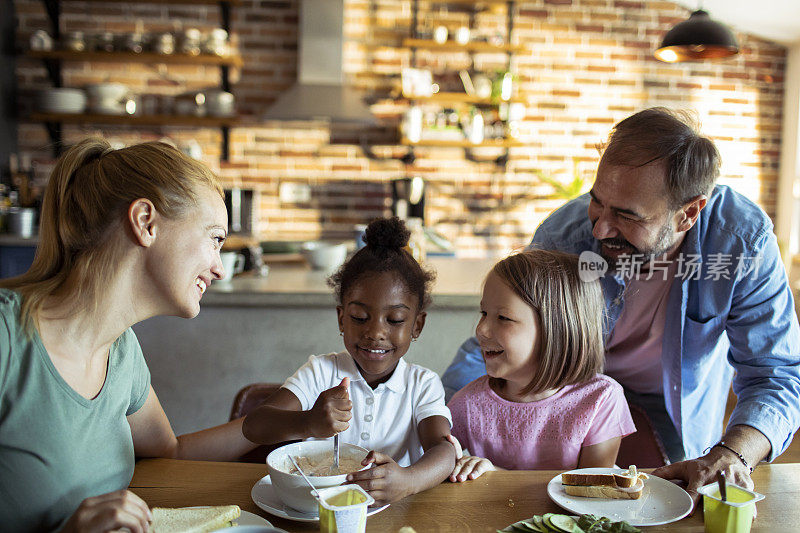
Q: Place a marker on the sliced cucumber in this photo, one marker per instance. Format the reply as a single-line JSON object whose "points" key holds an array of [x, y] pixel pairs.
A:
{"points": [[560, 523], [563, 523]]}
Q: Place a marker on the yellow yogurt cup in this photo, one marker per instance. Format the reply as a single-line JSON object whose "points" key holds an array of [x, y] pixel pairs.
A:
{"points": [[343, 509], [734, 515]]}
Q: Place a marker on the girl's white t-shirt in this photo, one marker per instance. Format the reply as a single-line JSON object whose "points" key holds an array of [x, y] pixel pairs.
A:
{"points": [[384, 419]]}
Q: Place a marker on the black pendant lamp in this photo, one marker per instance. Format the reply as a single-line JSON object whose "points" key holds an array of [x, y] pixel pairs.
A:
{"points": [[698, 37]]}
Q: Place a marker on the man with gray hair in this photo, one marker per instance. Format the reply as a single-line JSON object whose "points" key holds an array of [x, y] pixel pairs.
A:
{"points": [[696, 298]]}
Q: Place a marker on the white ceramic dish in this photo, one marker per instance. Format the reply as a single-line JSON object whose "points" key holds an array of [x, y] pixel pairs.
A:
{"points": [[62, 100], [246, 519], [108, 92], [264, 496], [327, 256], [661, 502], [116, 109], [292, 488]]}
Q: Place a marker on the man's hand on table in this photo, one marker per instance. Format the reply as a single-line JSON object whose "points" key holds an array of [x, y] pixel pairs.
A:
{"points": [[748, 443], [699, 472]]}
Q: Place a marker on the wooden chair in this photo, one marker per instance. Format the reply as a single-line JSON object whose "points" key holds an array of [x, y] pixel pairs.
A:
{"points": [[643, 448], [246, 400]]}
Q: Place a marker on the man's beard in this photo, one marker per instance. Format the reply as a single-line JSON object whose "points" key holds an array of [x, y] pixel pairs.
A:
{"points": [[639, 256]]}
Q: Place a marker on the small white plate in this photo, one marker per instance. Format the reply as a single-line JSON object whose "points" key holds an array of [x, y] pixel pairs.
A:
{"points": [[245, 519], [264, 496], [661, 502]]}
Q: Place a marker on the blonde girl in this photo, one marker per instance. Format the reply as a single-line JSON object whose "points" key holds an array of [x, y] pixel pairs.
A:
{"points": [[544, 403]]}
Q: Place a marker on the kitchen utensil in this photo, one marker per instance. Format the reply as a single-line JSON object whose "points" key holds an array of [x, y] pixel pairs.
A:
{"points": [[106, 92], [41, 41], [293, 490], [462, 35], [74, 41], [232, 263], [62, 100], [190, 42], [164, 43], [297, 466], [722, 485], [103, 42], [219, 103], [335, 467], [216, 42], [327, 256], [264, 495], [22, 221]]}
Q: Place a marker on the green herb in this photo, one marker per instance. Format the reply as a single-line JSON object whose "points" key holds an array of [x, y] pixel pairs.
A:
{"points": [[600, 524]]}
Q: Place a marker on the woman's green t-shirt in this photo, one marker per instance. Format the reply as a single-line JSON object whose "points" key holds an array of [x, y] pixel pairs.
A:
{"points": [[56, 447]]}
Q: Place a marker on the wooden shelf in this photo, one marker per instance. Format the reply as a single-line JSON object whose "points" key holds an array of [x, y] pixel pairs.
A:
{"points": [[142, 120], [461, 98], [473, 2], [464, 143], [144, 57], [195, 2], [453, 46]]}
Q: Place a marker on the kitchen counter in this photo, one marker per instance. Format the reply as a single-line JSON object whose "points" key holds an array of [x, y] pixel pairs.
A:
{"points": [[9, 239], [458, 285]]}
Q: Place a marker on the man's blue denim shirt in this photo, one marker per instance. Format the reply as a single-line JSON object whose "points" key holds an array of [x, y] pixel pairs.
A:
{"points": [[723, 323]]}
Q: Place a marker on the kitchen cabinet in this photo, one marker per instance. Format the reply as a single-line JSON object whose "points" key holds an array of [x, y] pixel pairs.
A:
{"points": [[16, 255], [453, 104], [54, 59]]}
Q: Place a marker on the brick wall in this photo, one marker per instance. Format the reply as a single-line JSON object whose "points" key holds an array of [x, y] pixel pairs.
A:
{"points": [[587, 64]]}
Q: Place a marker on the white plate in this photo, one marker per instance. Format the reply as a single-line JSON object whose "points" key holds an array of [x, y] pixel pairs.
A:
{"points": [[661, 502], [245, 519], [264, 496]]}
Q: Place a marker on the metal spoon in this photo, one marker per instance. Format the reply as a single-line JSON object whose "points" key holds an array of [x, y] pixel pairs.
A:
{"points": [[723, 487], [314, 489], [335, 467]]}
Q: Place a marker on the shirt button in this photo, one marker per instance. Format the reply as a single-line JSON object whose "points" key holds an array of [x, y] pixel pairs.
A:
{"points": [[368, 418], [369, 401], [365, 436]]}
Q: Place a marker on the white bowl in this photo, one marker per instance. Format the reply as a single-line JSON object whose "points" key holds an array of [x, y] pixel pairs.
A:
{"points": [[292, 488], [323, 255], [62, 100], [106, 92]]}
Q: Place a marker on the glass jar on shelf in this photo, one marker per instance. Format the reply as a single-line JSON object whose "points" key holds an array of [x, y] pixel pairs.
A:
{"points": [[190, 42], [74, 41], [164, 43], [216, 43], [416, 242]]}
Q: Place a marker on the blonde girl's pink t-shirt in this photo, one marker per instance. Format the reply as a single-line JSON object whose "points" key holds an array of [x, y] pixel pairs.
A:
{"points": [[542, 435]]}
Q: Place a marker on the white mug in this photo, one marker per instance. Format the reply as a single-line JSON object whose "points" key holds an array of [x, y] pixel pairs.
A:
{"points": [[232, 263]]}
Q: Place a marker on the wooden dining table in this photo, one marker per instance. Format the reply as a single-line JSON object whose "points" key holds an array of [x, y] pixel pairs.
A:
{"points": [[486, 504]]}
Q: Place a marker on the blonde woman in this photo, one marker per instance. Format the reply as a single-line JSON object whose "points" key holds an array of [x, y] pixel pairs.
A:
{"points": [[125, 235]]}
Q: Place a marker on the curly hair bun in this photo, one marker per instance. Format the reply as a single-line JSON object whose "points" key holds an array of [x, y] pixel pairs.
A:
{"points": [[387, 233]]}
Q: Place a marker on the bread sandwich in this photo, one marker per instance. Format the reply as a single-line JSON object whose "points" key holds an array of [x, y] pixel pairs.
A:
{"points": [[626, 484], [193, 519]]}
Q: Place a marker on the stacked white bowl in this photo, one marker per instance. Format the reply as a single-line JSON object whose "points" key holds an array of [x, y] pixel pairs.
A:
{"points": [[107, 98], [61, 100]]}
